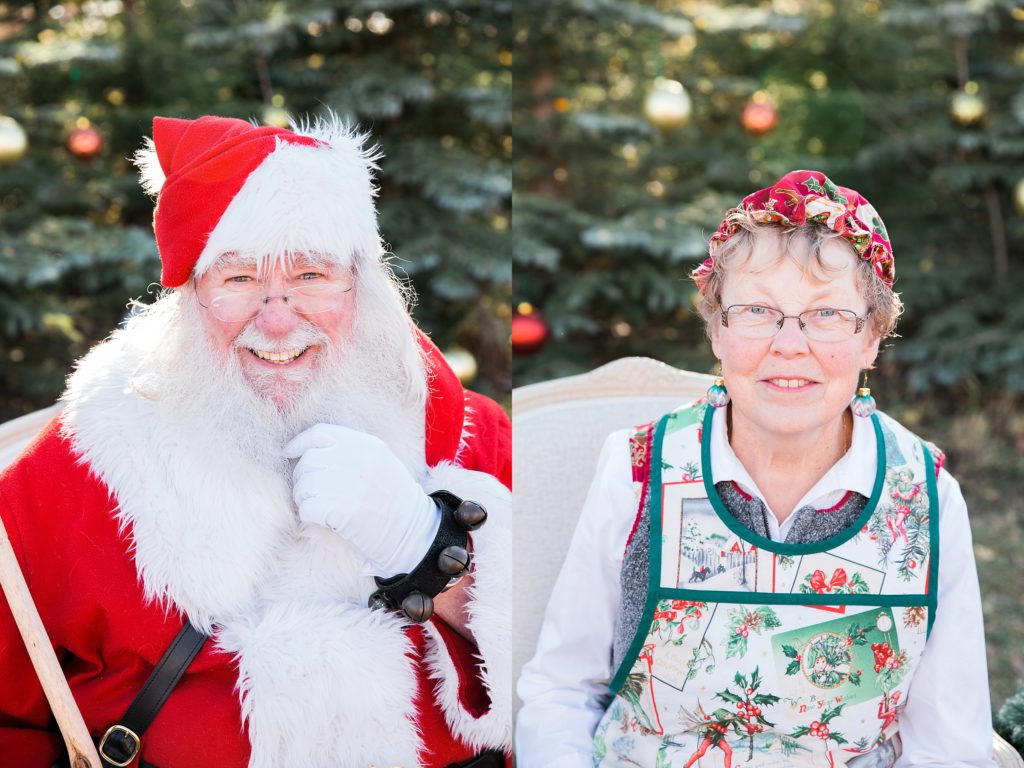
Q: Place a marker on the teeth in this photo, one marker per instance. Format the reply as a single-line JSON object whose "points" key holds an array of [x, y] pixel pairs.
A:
{"points": [[789, 383], [278, 357]]}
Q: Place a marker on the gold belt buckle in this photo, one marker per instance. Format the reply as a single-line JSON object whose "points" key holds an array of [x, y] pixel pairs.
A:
{"points": [[122, 731]]}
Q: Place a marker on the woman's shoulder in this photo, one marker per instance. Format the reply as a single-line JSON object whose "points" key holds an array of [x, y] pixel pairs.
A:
{"points": [[893, 429]]}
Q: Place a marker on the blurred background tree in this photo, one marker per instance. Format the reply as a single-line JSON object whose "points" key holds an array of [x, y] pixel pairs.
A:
{"points": [[638, 124], [81, 81]]}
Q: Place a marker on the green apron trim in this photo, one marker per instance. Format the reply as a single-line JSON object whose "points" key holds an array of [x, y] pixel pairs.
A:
{"points": [[654, 565], [791, 598], [779, 547], [933, 536], [655, 592]]}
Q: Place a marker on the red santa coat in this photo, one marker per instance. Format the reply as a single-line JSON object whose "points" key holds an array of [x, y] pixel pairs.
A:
{"points": [[299, 671]]}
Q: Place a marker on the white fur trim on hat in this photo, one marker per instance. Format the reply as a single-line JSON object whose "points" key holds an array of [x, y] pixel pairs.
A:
{"points": [[314, 200], [151, 173]]}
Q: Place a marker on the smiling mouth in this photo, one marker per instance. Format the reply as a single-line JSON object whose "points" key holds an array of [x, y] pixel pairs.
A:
{"points": [[790, 383], [279, 358]]}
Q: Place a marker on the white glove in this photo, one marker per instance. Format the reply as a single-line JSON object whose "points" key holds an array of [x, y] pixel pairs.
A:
{"points": [[352, 483]]}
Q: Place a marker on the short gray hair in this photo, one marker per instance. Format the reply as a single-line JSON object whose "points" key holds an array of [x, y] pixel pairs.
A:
{"points": [[884, 304]]}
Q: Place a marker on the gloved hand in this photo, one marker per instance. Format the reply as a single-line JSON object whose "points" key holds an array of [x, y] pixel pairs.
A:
{"points": [[352, 483]]}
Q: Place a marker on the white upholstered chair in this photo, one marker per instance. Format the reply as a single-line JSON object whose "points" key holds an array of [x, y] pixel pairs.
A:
{"points": [[17, 433], [558, 428]]}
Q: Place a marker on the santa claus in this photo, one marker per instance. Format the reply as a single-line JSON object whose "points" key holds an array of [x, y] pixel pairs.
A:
{"points": [[241, 466]]}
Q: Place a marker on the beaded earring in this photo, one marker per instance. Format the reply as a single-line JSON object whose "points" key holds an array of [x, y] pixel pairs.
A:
{"points": [[718, 397], [863, 404]]}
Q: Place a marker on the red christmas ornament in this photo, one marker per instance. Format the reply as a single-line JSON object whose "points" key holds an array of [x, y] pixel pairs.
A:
{"points": [[759, 115], [85, 141], [529, 331]]}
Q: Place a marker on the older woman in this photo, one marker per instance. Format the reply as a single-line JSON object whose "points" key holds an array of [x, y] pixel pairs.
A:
{"points": [[777, 574]]}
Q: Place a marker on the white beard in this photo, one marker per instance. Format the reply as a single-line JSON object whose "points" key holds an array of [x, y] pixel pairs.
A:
{"points": [[363, 385], [185, 443]]}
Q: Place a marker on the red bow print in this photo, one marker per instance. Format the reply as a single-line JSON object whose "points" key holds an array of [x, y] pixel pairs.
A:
{"points": [[819, 585]]}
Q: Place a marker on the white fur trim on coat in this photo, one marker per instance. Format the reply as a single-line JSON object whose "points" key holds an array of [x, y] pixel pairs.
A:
{"points": [[490, 620], [321, 678]]}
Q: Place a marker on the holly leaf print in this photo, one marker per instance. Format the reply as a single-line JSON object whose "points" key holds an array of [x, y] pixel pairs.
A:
{"points": [[729, 696], [741, 680], [737, 646], [765, 698], [812, 184], [879, 227], [830, 713], [854, 677], [858, 634], [833, 193], [856, 585], [837, 737], [793, 668], [755, 678], [790, 651]]}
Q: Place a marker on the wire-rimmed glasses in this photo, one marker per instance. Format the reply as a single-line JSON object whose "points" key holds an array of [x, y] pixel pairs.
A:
{"points": [[756, 321], [242, 297]]}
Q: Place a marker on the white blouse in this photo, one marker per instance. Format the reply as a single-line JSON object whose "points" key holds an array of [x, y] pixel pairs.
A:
{"points": [[947, 719]]}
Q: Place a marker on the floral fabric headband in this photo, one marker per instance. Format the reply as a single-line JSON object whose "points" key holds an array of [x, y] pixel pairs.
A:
{"points": [[800, 197]]}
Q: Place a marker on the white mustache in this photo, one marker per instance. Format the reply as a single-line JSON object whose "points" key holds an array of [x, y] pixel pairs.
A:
{"points": [[305, 335]]}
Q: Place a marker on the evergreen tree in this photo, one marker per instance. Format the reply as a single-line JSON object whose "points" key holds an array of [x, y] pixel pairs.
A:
{"points": [[429, 80], [612, 213], [1009, 721]]}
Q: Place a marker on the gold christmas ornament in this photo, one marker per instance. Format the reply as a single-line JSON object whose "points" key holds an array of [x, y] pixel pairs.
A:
{"points": [[967, 107], [462, 363], [275, 116], [668, 105], [13, 141], [1018, 195]]}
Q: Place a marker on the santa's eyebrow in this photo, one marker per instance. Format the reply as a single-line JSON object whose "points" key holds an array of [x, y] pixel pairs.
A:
{"points": [[233, 259], [313, 259]]}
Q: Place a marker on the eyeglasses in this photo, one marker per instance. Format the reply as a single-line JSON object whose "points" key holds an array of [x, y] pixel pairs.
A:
{"points": [[754, 321], [238, 298]]}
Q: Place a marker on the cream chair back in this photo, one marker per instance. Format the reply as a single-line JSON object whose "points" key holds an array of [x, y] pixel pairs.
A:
{"points": [[558, 428]]}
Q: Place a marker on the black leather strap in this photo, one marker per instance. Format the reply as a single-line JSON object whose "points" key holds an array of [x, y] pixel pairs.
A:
{"points": [[426, 578], [492, 758], [118, 747]]}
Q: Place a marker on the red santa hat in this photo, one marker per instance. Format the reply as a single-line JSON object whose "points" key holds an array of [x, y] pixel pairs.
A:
{"points": [[226, 186]]}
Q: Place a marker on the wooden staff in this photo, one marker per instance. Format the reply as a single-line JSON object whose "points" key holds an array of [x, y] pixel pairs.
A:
{"points": [[81, 750]]}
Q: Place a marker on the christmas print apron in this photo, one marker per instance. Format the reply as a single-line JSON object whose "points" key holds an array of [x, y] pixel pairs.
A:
{"points": [[757, 653]]}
